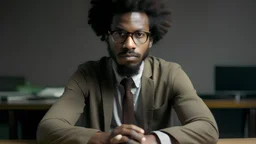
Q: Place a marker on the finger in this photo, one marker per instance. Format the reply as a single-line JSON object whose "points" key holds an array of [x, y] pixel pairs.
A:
{"points": [[131, 134], [133, 127], [124, 139], [137, 136], [116, 139]]}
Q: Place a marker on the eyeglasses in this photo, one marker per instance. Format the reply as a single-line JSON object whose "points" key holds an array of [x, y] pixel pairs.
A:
{"points": [[120, 36]]}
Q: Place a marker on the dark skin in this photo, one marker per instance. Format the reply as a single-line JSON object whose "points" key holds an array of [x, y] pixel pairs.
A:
{"points": [[130, 22]]}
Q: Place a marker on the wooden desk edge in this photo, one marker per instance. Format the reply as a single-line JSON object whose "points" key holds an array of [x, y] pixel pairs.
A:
{"points": [[230, 104], [17, 141], [221, 141], [212, 104], [237, 141]]}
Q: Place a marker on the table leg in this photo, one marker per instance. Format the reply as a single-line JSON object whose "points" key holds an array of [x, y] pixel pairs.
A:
{"points": [[13, 132], [252, 123]]}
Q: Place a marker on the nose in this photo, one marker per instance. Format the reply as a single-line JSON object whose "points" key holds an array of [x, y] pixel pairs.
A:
{"points": [[129, 43]]}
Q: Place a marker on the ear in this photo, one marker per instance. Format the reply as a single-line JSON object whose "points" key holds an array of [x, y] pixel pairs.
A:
{"points": [[150, 43]]}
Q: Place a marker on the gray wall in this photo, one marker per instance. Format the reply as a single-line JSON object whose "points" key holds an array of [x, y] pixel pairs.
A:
{"points": [[45, 40]]}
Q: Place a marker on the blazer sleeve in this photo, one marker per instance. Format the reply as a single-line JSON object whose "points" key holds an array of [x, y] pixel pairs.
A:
{"points": [[198, 123], [57, 126]]}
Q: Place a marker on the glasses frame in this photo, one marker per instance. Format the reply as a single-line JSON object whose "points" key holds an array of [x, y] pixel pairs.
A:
{"points": [[129, 34]]}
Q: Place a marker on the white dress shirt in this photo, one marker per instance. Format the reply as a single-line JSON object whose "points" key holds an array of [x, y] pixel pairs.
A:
{"points": [[117, 107]]}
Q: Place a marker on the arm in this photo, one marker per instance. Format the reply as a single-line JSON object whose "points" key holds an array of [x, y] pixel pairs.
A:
{"points": [[199, 125], [57, 126]]}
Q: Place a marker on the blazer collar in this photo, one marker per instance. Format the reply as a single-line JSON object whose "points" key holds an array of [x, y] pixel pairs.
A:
{"points": [[147, 96], [147, 72]]}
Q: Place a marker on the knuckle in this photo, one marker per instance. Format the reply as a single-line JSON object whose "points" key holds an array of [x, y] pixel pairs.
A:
{"points": [[114, 132], [132, 133], [140, 136], [122, 130], [125, 138]]}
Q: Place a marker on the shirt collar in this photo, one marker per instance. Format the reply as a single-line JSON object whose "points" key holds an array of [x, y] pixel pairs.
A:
{"points": [[136, 78]]}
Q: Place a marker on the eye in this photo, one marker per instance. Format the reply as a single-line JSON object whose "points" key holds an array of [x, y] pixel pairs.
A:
{"points": [[139, 34], [120, 33]]}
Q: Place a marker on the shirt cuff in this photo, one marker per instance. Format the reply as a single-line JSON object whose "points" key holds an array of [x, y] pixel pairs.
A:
{"points": [[163, 137]]}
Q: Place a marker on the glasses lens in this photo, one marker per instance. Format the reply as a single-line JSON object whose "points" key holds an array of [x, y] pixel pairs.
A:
{"points": [[140, 37], [119, 36]]}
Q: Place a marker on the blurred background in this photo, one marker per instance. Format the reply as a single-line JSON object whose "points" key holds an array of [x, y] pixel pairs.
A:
{"points": [[43, 41]]}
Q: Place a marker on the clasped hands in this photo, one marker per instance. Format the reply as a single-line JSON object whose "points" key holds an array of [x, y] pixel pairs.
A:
{"points": [[128, 134]]}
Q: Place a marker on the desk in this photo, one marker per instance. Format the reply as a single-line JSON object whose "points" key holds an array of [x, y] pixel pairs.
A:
{"points": [[237, 141], [221, 141], [27, 105], [243, 104], [13, 106], [17, 142], [46, 104], [222, 103]]}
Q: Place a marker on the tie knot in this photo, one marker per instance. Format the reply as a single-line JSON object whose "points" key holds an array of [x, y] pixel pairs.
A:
{"points": [[127, 83]]}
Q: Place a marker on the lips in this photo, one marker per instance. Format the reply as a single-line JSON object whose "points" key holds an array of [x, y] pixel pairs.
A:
{"points": [[128, 55]]}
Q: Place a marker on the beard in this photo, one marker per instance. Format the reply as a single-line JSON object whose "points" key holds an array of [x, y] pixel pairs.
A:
{"points": [[127, 70]]}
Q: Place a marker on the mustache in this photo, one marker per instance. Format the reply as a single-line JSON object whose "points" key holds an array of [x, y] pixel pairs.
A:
{"points": [[129, 52]]}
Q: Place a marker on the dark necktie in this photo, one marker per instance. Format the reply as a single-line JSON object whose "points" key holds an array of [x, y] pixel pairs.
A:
{"points": [[128, 111]]}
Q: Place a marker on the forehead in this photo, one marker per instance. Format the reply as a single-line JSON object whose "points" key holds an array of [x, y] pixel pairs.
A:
{"points": [[132, 21]]}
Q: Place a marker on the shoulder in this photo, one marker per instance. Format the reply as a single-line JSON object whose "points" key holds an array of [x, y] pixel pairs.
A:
{"points": [[162, 64], [93, 67], [87, 73], [163, 70], [170, 72]]}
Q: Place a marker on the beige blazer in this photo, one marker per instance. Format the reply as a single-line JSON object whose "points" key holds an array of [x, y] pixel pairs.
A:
{"points": [[86, 105]]}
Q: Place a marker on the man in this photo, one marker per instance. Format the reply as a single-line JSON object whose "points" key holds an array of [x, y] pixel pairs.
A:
{"points": [[128, 97]]}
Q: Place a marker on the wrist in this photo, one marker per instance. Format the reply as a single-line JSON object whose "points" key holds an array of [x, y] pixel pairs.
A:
{"points": [[157, 140], [152, 138]]}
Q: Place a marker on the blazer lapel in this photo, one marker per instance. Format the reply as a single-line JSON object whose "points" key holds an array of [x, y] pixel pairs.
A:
{"points": [[147, 97], [108, 91]]}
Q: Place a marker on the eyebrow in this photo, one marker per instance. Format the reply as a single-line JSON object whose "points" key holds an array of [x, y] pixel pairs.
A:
{"points": [[122, 29]]}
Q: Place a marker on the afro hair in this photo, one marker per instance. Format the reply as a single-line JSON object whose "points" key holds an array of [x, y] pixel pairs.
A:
{"points": [[102, 12]]}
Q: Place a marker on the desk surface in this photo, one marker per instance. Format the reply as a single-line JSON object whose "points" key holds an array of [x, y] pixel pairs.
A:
{"points": [[221, 141], [46, 104], [223, 103], [17, 142], [27, 105], [237, 141]]}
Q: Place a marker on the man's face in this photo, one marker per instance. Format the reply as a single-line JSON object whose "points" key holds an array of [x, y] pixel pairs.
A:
{"points": [[134, 49]]}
